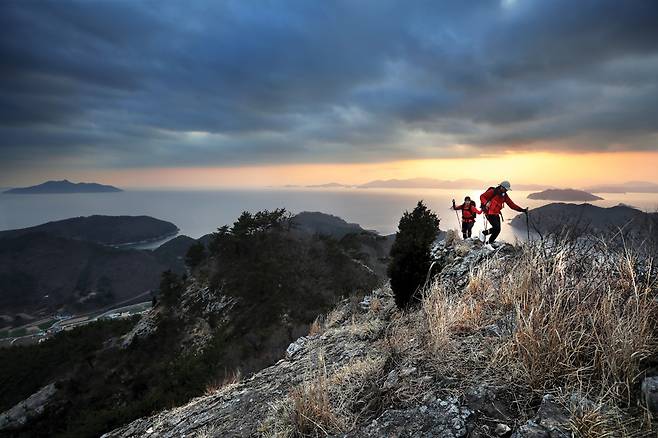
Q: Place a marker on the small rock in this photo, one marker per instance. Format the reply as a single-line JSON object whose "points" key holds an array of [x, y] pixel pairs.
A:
{"points": [[502, 429], [404, 372], [295, 347], [650, 393], [391, 379]]}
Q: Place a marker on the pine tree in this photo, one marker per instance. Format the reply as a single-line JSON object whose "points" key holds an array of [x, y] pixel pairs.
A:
{"points": [[171, 288], [195, 255], [410, 254]]}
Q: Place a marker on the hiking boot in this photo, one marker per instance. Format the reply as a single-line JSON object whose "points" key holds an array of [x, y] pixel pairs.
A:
{"points": [[489, 247], [483, 237]]}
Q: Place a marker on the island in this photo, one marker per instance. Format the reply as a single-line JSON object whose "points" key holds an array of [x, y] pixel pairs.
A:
{"points": [[104, 230], [64, 186], [564, 195]]}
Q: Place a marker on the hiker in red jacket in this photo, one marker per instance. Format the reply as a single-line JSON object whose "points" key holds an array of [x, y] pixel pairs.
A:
{"points": [[492, 201], [469, 212]]}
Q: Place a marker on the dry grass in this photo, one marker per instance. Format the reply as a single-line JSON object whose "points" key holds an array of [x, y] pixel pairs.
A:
{"points": [[317, 327], [583, 319], [327, 402], [376, 305], [462, 248], [334, 317], [452, 236], [227, 382]]}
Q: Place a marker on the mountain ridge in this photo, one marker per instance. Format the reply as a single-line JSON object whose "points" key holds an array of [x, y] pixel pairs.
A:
{"points": [[63, 186]]}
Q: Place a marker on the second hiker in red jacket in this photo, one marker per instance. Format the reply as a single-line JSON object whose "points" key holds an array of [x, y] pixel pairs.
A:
{"points": [[492, 201], [469, 212]]}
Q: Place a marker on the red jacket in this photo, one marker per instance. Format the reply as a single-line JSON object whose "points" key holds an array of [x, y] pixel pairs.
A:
{"points": [[492, 202], [468, 212]]}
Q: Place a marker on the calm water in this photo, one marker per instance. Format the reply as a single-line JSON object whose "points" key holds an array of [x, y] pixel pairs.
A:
{"points": [[200, 212]]}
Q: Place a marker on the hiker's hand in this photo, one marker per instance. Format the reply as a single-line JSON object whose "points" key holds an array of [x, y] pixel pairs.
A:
{"points": [[525, 210]]}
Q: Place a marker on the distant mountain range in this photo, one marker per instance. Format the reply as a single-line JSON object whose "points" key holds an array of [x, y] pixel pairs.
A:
{"points": [[331, 185], [64, 186], [427, 183], [580, 219], [470, 183], [564, 195], [630, 186]]}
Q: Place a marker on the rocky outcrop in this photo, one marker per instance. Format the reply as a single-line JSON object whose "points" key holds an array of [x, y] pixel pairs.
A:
{"points": [[24, 411], [198, 304]]}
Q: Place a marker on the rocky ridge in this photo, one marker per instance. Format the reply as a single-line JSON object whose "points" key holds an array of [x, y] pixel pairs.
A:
{"points": [[361, 373]]}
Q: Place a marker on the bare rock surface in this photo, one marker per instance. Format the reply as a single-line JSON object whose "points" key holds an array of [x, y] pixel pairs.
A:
{"points": [[33, 406]]}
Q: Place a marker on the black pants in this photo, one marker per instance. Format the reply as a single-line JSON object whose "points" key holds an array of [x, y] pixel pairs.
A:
{"points": [[494, 231], [467, 228]]}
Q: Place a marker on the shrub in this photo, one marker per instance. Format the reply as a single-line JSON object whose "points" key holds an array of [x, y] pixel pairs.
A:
{"points": [[410, 254]]}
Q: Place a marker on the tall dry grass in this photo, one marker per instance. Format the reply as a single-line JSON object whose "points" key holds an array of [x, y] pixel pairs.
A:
{"points": [[582, 318], [586, 319], [328, 401]]}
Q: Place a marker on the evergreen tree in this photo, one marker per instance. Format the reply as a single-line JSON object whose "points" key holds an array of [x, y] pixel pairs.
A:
{"points": [[410, 254], [171, 288], [195, 255]]}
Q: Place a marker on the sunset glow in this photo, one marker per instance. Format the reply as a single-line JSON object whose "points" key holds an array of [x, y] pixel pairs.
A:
{"points": [[540, 168]]}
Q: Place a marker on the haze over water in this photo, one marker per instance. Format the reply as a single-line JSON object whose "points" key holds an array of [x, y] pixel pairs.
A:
{"points": [[200, 212]]}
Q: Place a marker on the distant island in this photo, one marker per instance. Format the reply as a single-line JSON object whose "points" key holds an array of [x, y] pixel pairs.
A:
{"points": [[564, 195], [64, 186]]}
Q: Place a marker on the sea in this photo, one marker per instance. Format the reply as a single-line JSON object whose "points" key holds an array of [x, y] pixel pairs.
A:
{"points": [[199, 212]]}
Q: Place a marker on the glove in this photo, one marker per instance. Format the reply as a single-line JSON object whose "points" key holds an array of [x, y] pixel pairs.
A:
{"points": [[525, 210]]}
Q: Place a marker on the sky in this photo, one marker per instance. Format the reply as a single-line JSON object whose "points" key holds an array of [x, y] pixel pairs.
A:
{"points": [[231, 93]]}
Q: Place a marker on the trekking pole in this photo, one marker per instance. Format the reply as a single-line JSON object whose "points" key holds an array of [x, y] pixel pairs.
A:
{"points": [[456, 214], [527, 224]]}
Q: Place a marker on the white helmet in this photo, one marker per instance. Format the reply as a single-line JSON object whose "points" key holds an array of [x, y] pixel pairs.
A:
{"points": [[506, 185]]}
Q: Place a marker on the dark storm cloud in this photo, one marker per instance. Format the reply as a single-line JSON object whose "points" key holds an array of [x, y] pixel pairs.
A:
{"points": [[165, 83]]}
